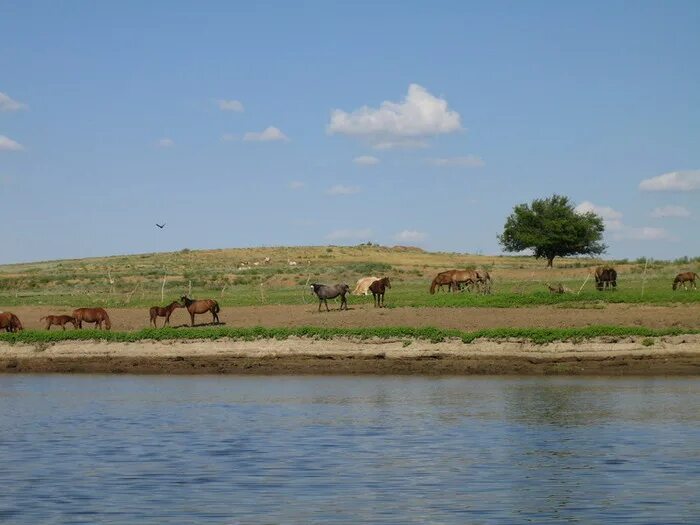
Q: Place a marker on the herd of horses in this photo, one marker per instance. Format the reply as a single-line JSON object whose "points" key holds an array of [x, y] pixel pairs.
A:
{"points": [[455, 280]]}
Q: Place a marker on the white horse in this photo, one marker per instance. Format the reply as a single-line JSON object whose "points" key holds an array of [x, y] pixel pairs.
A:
{"points": [[363, 284]]}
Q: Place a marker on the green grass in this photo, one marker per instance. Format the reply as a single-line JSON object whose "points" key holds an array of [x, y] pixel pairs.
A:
{"points": [[435, 335]]}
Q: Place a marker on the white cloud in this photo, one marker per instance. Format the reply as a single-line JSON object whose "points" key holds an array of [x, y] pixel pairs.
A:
{"points": [[366, 160], [673, 181], [338, 235], [230, 105], [339, 189], [398, 124], [268, 134], [468, 161], [229, 137], [670, 211], [7, 103], [7, 144], [618, 229], [165, 142], [296, 185], [410, 236]]}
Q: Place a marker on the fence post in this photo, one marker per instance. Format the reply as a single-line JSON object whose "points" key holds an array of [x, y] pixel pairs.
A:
{"points": [[644, 276]]}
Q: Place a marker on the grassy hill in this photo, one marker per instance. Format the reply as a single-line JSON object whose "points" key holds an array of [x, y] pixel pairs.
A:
{"points": [[243, 277]]}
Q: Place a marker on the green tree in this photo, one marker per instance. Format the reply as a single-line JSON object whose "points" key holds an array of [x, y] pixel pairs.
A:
{"points": [[550, 228]]}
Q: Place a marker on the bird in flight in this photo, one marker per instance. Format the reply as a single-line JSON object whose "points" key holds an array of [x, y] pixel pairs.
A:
{"points": [[161, 226]]}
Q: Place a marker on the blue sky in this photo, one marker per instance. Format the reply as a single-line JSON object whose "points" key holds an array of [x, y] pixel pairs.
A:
{"points": [[283, 123]]}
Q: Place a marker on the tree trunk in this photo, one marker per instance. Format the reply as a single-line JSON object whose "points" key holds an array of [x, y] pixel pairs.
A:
{"points": [[550, 260]]}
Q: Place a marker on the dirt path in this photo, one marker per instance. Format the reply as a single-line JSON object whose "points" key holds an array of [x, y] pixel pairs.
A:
{"points": [[685, 316], [677, 355]]}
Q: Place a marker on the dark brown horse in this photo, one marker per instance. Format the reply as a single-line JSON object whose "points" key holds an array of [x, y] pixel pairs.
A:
{"points": [[163, 311], [92, 315], [201, 306], [378, 288], [10, 322], [59, 320], [685, 278], [605, 277]]}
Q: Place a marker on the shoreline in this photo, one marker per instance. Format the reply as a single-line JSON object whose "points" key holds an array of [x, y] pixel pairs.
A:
{"points": [[672, 355]]}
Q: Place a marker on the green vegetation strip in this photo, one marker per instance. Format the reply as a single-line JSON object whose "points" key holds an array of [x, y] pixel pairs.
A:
{"points": [[435, 335]]}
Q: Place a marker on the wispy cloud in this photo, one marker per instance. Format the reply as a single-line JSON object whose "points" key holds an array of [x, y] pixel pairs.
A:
{"points": [[339, 189], [618, 229], [673, 181], [366, 160], [7, 103], [230, 105], [398, 124], [410, 236], [7, 144], [350, 234], [467, 161], [670, 211], [296, 185], [229, 137], [270, 133], [165, 142]]}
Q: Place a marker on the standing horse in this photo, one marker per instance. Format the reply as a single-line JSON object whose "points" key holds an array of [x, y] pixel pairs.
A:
{"points": [[325, 292], [685, 278], [441, 279], [59, 320], [10, 322], [92, 315], [201, 306], [163, 311], [605, 277], [362, 286], [378, 288]]}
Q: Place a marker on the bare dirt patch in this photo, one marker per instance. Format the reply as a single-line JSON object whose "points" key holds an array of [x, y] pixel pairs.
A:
{"points": [[685, 316]]}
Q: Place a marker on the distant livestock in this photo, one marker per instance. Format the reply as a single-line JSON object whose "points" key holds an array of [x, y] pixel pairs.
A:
{"points": [[362, 286], [92, 315], [325, 292], [10, 322], [605, 278], [454, 279], [685, 278], [378, 288], [59, 320]]}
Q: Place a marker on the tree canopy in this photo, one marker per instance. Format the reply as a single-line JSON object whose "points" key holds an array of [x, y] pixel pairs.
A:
{"points": [[552, 228]]}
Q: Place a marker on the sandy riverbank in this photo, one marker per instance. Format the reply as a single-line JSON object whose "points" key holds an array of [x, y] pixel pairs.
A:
{"points": [[673, 355]]}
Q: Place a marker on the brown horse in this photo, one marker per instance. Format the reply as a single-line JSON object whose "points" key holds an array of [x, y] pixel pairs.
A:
{"points": [[605, 277], [378, 288], [92, 315], [685, 278], [10, 322], [59, 320], [163, 311], [201, 306], [442, 279]]}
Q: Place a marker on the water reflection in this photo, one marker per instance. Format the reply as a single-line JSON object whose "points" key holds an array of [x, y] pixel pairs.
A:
{"points": [[86, 449]]}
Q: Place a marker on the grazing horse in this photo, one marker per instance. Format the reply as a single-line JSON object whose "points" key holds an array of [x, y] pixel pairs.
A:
{"points": [[59, 320], [605, 277], [441, 279], [10, 322], [362, 287], [325, 292], [201, 306], [378, 288], [92, 315], [685, 278], [163, 311]]}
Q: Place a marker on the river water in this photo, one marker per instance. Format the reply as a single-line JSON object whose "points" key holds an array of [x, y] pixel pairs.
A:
{"points": [[298, 450]]}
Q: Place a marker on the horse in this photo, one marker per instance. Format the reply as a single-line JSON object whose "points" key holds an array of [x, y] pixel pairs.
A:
{"points": [[325, 292], [685, 278], [605, 277], [362, 286], [92, 315], [378, 288], [201, 306], [59, 320], [10, 322], [441, 279], [163, 311]]}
